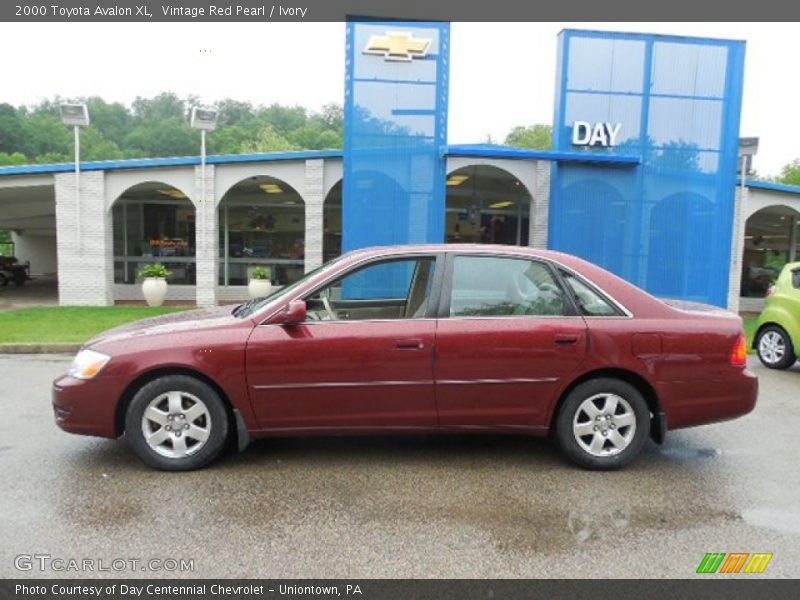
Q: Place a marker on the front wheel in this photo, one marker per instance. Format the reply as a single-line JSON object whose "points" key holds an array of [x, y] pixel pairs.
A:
{"points": [[774, 347], [603, 424], [176, 423]]}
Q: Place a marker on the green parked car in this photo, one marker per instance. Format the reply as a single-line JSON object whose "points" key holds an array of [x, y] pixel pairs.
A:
{"points": [[777, 336]]}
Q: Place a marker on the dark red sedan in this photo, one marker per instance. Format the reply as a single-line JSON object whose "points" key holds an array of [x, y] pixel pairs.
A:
{"points": [[414, 339]]}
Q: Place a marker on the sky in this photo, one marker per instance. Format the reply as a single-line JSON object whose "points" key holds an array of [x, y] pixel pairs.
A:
{"points": [[501, 74]]}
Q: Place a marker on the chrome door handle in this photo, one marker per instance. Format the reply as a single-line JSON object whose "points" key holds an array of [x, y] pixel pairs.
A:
{"points": [[565, 339], [409, 345]]}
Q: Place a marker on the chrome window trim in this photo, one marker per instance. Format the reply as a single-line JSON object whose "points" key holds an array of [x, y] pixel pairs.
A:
{"points": [[627, 313]]}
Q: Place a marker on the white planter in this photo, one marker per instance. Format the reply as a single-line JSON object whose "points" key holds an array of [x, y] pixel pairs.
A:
{"points": [[154, 290], [258, 288]]}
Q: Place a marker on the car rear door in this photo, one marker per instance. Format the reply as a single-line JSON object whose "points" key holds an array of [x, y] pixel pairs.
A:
{"points": [[507, 338]]}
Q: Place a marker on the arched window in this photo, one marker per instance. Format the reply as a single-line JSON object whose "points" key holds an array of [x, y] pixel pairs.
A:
{"points": [[261, 223], [332, 224], [771, 239], [154, 222], [486, 205]]}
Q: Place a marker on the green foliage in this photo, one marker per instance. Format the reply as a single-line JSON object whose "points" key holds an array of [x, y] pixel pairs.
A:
{"points": [[15, 158], [155, 270], [790, 174], [159, 126], [537, 137], [268, 140], [260, 273]]}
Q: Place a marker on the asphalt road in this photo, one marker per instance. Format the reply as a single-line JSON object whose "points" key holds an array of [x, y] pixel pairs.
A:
{"points": [[432, 506]]}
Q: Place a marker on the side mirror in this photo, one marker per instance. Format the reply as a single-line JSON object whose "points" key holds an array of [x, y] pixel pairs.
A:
{"points": [[294, 313]]}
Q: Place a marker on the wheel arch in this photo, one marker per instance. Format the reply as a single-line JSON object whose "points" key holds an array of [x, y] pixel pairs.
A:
{"points": [[794, 337], [658, 421], [148, 376]]}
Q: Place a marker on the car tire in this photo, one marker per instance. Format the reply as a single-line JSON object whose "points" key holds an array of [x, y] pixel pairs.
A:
{"points": [[774, 347], [3, 280], [603, 424], [177, 423]]}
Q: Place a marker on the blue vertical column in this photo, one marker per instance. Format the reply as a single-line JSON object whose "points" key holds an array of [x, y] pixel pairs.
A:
{"points": [[395, 133], [676, 102]]}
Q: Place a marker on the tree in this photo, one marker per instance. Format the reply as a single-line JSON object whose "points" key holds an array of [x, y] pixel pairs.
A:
{"points": [[537, 137], [14, 158], [790, 174], [159, 126], [166, 105], [268, 140]]}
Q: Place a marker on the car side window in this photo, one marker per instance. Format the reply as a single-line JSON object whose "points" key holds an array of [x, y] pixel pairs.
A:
{"points": [[796, 279], [395, 289], [590, 302], [485, 286]]}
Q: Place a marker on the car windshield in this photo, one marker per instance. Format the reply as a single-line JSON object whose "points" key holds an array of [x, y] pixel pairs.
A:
{"points": [[255, 305]]}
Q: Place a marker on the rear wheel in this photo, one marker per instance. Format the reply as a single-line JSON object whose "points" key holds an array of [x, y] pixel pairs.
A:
{"points": [[176, 423], [603, 424], [3, 280], [774, 347]]}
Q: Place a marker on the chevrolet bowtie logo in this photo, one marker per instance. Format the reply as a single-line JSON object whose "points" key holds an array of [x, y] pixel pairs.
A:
{"points": [[397, 45]]}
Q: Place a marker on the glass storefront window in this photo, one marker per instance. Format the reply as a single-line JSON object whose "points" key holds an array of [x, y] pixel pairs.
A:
{"points": [[261, 224], [486, 205], [154, 223], [771, 239]]}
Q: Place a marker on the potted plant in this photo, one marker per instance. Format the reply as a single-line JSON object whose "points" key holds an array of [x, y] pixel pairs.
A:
{"points": [[154, 286], [260, 284]]}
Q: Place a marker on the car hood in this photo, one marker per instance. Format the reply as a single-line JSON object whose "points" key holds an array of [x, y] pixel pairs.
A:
{"points": [[190, 320]]}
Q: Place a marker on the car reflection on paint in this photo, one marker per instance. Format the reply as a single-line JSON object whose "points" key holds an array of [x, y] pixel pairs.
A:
{"points": [[407, 339]]}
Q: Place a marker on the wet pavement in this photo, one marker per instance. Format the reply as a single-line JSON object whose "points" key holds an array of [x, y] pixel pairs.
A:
{"points": [[430, 506]]}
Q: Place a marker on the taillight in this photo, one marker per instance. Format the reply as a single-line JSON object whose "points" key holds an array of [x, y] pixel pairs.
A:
{"points": [[770, 291], [739, 352]]}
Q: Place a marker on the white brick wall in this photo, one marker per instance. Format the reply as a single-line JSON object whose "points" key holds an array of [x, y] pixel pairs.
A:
{"points": [[39, 250], [540, 206], [84, 241], [207, 236], [737, 249], [314, 195]]}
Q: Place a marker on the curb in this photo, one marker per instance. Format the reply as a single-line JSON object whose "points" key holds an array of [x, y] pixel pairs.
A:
{"points": [[43, 348]]}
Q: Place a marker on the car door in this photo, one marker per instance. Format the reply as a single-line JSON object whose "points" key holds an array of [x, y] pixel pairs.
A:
{"points": [[507, 337], [362, 359]]}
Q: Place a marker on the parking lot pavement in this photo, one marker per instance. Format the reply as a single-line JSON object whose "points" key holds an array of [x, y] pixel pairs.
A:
{"points": [[432, 506], [41, 291]]}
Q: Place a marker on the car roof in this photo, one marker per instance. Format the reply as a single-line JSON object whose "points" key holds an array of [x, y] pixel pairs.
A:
{"points": [[483, 249]]}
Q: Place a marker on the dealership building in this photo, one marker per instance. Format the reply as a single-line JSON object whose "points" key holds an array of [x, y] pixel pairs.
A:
{"points": [[642, 179]]}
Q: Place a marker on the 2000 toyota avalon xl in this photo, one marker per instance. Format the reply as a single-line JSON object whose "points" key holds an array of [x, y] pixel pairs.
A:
{"points": [[415, 339]]}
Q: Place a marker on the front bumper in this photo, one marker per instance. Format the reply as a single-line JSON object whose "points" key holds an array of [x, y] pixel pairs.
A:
{"points": [[86, 407]]}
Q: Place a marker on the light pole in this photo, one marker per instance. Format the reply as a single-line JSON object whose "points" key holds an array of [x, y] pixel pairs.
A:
{"points": [[76, 116], [204, 119]]}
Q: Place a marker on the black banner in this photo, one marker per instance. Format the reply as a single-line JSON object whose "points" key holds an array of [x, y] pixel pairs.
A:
{"points": [[442, 10], [396, 589]]}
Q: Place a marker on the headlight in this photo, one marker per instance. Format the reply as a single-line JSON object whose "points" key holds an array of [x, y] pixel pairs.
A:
{"points": [[87, 364]]}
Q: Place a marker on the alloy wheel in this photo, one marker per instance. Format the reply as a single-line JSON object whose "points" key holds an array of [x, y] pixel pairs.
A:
{"points": [[604, 424]]}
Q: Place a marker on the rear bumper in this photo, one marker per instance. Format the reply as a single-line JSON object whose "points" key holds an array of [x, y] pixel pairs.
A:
{"points": [[689, 403], [86, 407]]}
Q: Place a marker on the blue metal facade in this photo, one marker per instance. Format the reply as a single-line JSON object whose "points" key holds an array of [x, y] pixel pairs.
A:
{"points": [[395, 136], [664, 225]]}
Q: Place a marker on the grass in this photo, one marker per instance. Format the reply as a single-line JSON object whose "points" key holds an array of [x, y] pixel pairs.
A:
{"points": [[69, 324], [749, 332]]}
